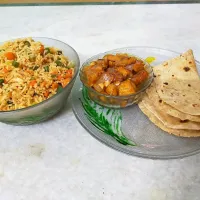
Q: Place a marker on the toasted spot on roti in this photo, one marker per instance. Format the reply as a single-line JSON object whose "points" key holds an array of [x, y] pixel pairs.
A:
{"points": [[184, 121], [186, 69], [165, 63]]}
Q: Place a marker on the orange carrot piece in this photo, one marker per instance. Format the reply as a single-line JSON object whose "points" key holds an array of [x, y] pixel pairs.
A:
{"points": [[59, 78], [43, 84], [54, 72], [65, 81], [46, 94], [68, 73], [32, 82], [54, 86], [30, 71], [10, 55], [5, 70], [42, 49]]}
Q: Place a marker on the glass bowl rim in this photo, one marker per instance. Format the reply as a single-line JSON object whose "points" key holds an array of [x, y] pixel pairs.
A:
{"points": [[74, 77], [93, 58]]}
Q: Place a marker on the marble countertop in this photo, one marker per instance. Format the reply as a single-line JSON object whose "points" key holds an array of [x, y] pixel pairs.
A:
{"points": [[58, 159]]}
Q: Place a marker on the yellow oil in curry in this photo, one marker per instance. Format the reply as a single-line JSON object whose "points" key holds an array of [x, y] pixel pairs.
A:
{"points": [[150, 59]]}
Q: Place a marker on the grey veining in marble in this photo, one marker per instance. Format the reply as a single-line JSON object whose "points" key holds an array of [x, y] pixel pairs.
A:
{"points": [[58, 159]]}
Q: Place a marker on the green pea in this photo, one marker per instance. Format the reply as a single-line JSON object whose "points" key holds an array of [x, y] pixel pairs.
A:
{"points": [[46, 68], [70, 65], [59, 89], [58, 63], [32, 58], [1, 81], [53, 75], [15, 63], [35, 68], [47, 50]]}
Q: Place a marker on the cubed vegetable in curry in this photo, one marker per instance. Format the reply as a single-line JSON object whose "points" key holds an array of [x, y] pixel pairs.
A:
{"points": [[127, 87], [115, 75]]}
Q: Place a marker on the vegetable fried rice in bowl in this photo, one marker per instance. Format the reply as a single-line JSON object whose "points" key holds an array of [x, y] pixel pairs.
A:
{"points": [[36, 77]]}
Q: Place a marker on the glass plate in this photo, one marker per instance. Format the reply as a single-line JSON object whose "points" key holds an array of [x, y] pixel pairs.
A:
{"points": [[128, 130]]}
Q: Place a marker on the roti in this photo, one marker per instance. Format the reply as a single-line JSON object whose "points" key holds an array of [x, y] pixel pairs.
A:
{"points": [[172, 102], [182, 67], [167, 120], [158, 123], [183, 116], [178, 83], [183, 95], [165, 108]]}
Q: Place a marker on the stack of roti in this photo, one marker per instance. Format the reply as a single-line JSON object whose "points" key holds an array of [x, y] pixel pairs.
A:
{"points": [[172, 102]]}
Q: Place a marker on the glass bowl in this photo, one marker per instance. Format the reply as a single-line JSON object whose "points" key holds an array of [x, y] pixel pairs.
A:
{"points": [[48, 108], [116, 101]]}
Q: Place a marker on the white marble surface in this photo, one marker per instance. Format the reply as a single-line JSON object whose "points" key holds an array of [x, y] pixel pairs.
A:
{"points": [[58, 159]]}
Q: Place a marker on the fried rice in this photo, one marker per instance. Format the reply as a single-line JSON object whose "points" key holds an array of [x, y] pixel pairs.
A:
{"points": [[31, 73]]}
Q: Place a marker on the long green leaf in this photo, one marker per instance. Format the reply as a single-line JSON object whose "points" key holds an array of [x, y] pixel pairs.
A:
{"points": [[104, 119]]}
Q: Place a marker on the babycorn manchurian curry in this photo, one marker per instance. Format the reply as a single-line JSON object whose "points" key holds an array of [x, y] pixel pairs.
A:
{"points": [[115, 75]]}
